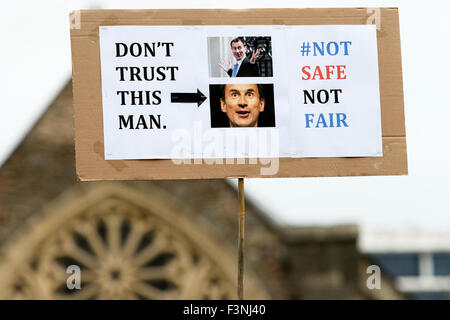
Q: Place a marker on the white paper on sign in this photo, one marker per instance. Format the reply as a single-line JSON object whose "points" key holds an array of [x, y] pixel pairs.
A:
{"points": [[178, 92]]}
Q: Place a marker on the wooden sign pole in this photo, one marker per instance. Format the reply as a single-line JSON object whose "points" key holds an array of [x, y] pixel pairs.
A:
{"points": [[240, 286]]}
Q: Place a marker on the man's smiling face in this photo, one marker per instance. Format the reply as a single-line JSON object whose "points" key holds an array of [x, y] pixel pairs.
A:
{"points": [[238, 49], [242, 104]]}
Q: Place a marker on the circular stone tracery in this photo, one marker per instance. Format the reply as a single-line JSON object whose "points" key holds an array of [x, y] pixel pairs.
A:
{"points": [[124, 252]]}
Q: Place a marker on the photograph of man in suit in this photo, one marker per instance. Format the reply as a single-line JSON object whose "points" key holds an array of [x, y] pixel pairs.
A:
{"points": [[243, 66], [242, 104]]}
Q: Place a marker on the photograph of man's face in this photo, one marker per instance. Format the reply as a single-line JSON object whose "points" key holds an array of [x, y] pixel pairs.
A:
{"points": [[242, 104], [238, 49]]}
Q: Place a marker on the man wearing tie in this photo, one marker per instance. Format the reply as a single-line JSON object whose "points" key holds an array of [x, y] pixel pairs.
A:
{"points": [[243, 67]]}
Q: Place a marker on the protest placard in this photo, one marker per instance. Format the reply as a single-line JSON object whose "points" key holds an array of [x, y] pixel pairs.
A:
{"points": [[195, 94]]}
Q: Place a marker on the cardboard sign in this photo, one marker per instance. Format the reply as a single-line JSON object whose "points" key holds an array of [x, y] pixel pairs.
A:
{"points": [[213, 99]]}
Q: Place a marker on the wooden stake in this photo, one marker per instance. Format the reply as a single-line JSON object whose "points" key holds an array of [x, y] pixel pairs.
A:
{"points": [[240, 287]]}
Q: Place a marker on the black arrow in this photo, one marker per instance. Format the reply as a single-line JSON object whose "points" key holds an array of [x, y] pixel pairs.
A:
{"points": [[183, 97]]}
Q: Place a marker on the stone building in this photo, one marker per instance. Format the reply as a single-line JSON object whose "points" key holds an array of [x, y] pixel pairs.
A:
{"points": [[154, 239]]}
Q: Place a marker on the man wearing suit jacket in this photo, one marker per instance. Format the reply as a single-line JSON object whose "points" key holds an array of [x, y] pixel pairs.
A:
{"points": [[243, 67]]}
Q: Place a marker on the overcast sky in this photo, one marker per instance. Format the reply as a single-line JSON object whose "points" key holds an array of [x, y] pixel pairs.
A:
{"points": [[36, 63]]}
